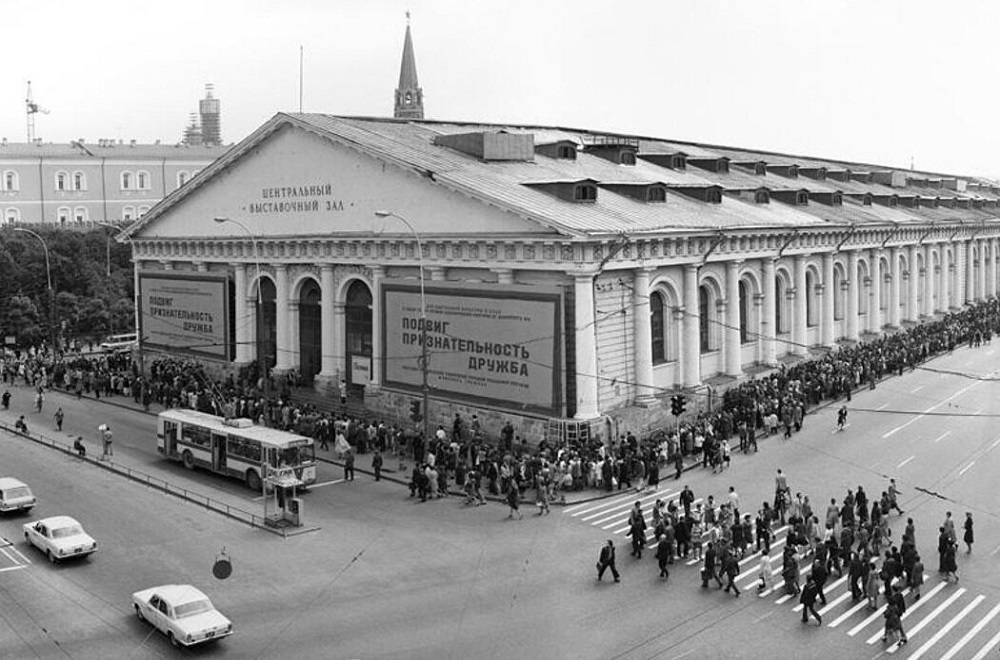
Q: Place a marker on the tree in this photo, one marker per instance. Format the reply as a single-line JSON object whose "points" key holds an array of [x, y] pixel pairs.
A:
{"points": [[21, 321]]}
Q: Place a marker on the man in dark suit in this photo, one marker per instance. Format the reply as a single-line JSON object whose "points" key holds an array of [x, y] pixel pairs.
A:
{"points": [[606, 561]]}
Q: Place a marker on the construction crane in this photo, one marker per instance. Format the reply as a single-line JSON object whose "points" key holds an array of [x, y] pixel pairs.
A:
{"points": [[32, 109]]}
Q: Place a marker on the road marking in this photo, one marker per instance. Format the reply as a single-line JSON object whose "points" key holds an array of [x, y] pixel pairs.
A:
{"points": [[995, 443], [972, 633], [966, 468], [906, 461], [931, 409], [877, 614], [995, 551], [916, 389], [883, 406], [326, 483], [930, 617], [798, 608], [947, 627], [849, 613], [944, 435], [13, 568], [761, 618]]}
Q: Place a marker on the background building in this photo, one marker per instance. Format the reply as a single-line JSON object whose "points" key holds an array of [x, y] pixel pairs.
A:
{"points": [[563, 273]]}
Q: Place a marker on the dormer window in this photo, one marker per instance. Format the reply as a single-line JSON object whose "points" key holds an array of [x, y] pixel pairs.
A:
{"points": [[837, 199], [627, 157], [714, 196], [585, 192], [801, 198], [893, 202], [656, 194], [566, 152], [760, 169], [762, 197], [866, 200], [678, 162]]}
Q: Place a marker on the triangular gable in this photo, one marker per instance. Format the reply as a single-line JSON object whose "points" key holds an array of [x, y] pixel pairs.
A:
{"points": [[290, 178]]}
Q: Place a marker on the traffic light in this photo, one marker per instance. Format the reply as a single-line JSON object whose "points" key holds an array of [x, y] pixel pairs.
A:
{"points": [[415, 414], [677, 404]]}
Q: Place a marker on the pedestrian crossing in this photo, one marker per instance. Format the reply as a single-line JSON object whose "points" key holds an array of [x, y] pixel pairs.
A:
{"points": [[948, 621]]}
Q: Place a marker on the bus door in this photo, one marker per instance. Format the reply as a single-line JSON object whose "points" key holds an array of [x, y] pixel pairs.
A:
{"points": [[218, 452], [169, 439]]}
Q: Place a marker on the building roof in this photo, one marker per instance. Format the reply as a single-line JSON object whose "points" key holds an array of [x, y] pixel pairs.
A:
{"points": [[514, 182], [108, 149]]}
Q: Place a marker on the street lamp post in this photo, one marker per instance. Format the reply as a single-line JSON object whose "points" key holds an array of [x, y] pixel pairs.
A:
{"points": [[261, 359], [52, 295], [423, 313]]}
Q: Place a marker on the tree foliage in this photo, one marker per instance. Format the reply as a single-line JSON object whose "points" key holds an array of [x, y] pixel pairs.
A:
{"points": [[92, 284]]}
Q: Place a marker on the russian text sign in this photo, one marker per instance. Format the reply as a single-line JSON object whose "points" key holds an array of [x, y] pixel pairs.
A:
{"points": [[180, 312]]}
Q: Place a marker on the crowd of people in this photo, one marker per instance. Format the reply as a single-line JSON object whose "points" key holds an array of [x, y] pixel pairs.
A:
{"points": [[852, 535]]}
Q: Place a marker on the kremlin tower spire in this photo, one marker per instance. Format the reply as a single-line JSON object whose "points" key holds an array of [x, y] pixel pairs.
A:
{"points": [[409, 96]]}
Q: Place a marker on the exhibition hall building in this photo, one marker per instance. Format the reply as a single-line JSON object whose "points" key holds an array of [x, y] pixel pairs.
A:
{"points": [[543, 274]]}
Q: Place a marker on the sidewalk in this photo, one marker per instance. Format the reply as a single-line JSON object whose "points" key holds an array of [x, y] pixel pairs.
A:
{"points": [[391, 467]]}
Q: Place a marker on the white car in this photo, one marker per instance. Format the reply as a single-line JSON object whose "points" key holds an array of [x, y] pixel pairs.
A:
{"points": [[15, 495], [59, 537], [181, 612]]}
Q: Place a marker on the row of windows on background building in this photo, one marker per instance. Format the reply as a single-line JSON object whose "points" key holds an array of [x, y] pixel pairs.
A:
{"points": [[77, 181], [65, 214]]}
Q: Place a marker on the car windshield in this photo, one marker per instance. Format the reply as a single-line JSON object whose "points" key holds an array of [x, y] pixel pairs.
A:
{"points": [[17, 491], [194, 607], [68, 530]]}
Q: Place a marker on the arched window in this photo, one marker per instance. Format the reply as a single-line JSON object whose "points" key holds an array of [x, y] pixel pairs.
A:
{"points": [[744, 312], [714, 196], [658, 328], [704, 334], [142, 210], [585, 192], [839, 294], [656, 194], [802, 198], [762, 197], [128, 213], [678, 162], [126, 181], [80, 214], [627, 158], [79, 181], [63, 214], [62, 181], [142, 180], [10, 182], [779, 305], [12, 215]]}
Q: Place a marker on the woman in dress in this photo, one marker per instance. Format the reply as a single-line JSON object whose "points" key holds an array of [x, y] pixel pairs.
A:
{"points": [[969, 536]]}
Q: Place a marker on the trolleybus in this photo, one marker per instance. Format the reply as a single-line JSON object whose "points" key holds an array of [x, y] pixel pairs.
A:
{"points": [[233, 447]]}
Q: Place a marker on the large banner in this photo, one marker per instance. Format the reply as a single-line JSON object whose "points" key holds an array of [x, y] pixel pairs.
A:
{"points": [[499, 346], [185, 313]]}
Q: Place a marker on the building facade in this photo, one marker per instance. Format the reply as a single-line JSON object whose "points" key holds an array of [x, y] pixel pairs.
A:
{"points": [[544, 273], [108, 181]]}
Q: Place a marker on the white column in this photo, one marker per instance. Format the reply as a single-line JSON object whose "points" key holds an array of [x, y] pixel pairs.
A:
{"points": [[643, 334], [991, 290], [243, 320], [734, 362], [378, 273], [912, 310], [768, 332], [677, 330], [964, 279], [800, 338], [875, 297], [692, 315], [586, 347], [928, 281], [340, 338], [827, 322], [944, 283], [981, 288], [328, 362], [894, 289], [852, 295], [756, 330], [283, 360]]}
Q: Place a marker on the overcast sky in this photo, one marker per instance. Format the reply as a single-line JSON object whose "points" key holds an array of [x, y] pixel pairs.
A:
{"points": [[880, 82]]}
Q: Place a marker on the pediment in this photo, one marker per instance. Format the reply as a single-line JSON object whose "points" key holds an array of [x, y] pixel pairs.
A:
{"points": [[295, 182]]}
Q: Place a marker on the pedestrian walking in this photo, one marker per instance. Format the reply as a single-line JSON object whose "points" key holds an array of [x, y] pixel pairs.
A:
{"points": [[917, 577], [606, 560], [764, 572], [841, 418], [349, 464], [969, 535], [377, 464], [39, 398], [710, 569], [893, 492], [5, 399], [59, 418], [664, 553], [514, 502], [808, 600], [731, 567]]}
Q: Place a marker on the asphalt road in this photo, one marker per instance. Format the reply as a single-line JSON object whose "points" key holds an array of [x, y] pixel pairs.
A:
{"points": [[387, 577]]}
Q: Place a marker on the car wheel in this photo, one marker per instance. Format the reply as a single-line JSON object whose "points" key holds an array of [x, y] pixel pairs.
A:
{"points": [[253, 481], [188, 459], [51, 557], [173, 640], [138, 613]]}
